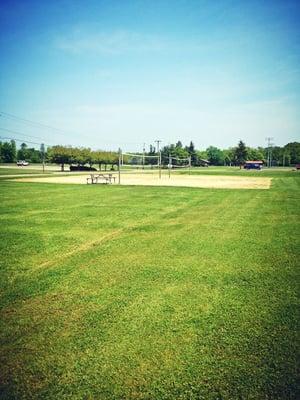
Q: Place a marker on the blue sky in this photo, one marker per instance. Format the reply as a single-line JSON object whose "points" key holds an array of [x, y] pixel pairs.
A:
{"points": [[121, 73]]}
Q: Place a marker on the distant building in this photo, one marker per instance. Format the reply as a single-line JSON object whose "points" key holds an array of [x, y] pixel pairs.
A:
{"points": [[253, 164], [203, 163]]}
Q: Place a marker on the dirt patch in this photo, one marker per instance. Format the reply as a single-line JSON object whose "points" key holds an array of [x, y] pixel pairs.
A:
{"points": [[201, 181]]}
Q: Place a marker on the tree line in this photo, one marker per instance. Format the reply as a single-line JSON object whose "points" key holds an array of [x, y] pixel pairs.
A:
{"points": [[82, 156], [280, 156]]}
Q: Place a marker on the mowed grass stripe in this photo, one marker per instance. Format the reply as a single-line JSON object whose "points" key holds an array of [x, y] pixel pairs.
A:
{"points": [[196, 298]]}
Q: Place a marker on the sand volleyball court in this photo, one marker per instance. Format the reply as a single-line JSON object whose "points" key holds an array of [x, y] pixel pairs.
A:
{"points": [[152, 179]]}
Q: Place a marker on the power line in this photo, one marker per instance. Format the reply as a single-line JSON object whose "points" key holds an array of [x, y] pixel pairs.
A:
{"points": [[23, 141], [30, 122], [53, 128], [20, 133]]}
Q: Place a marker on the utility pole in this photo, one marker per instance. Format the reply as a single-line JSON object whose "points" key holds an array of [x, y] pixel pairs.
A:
{"points": [[120, 160], [159, 158], [43, 155], [144, 155], [269, 156]]}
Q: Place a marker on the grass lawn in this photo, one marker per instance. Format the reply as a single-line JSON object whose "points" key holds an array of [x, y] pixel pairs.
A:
{"points": [[19, 171], [236, 171], [112, 292]]}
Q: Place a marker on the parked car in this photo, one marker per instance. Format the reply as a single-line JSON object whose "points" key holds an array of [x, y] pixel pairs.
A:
{"points": [[22, 163]]}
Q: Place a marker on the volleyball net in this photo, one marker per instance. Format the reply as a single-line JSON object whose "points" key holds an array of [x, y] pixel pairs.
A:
{"points": [[178, 162], [160, 164], [131, 161]]}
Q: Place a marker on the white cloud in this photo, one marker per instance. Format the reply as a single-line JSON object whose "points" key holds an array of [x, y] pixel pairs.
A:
{"points": [[116, 42]]}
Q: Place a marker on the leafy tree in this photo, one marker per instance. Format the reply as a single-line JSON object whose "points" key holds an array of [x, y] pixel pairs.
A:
{"points": [[240, 153], [286, 157], [98, 158], [255, 154], [33, 155], [192, 152], [8, 152], [202, 154], [22, 152], [112, 159], [13, 150], [277, 155], [29, 154], [61, 155], [215, 155], [82, 156], [152, 152], [105, 158], [293, 149], [228, 156]]}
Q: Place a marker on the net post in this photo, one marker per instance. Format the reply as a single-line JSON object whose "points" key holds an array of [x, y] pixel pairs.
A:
{"points": [[144, 156], [159, 164], [119, 172]]}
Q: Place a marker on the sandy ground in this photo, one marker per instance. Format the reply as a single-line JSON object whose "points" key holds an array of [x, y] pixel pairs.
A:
{"points": [[201, 181]]}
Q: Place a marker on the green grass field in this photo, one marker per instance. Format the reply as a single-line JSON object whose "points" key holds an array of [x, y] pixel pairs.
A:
{"points": [[19, 171], [112, 292], [236, 171]]}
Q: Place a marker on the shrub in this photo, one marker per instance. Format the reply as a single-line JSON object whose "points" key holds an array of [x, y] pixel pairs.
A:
{"points": [[81, 168]]}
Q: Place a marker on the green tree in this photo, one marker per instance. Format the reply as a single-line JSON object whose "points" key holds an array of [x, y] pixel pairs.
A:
{"points": [[228, 156], [293, 150], [215, 155], [61, 155], [277, 155], [8, 152], [13, 150], [192, 152], [22, 152], [255, 154], [240, 153]]}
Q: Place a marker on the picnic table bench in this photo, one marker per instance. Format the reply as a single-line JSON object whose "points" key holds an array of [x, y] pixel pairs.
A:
{"points": [[101, 178]]}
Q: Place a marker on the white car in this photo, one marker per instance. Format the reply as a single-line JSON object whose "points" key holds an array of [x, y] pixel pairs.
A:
{"points": [[22, 163]]}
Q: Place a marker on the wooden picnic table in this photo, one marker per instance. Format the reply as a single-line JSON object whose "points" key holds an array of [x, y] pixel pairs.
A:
{"points": [[101, 178]]}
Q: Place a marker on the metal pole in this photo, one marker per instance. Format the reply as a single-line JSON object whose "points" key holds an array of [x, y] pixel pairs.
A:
{"points": [[269, 158], [120, 159], [159, 158], [144, 156], [43, 156], [190, 163], [170, 165]]}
